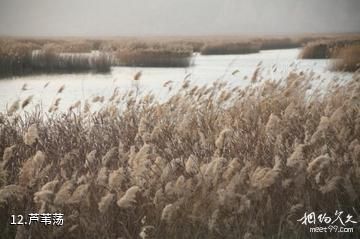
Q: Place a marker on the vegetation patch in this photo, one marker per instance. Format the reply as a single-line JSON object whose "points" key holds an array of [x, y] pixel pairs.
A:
{"points": [[210, 162]]}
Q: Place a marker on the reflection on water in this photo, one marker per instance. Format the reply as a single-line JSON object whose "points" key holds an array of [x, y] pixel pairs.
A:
{"points": [[235, 69]]}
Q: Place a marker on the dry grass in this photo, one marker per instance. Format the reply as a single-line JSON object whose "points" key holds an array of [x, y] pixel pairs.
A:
{"points": [[21, 57], [222, 48], [345, 52], [210, 162], [72, 54], [281, 43], [15, 58], [347, 58], [324, 49], [154, 55], [49, 60], [317, 50]]}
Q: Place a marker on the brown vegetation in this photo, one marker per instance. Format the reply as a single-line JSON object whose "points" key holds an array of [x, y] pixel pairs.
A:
{"points": [[15, 58], [154, 55], [344, 52], [326, 48], [210, 162], [317, 50], [73, 54], [222, 48], [20, 57], [347, 59], [280, 43]]}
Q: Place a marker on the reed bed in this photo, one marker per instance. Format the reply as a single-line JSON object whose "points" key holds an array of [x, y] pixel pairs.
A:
{"points": [[344, 52], [15, 58], [347, 58], [222, 48], [49, 61], [154, 58], [317, 50], [19, 58], [325, 49], [154, 55], [250, 44], [210, 162], [16, 54], [281, 43]]}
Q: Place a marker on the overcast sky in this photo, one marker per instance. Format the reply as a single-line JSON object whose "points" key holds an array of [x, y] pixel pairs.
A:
{"points": [[176, 17]]}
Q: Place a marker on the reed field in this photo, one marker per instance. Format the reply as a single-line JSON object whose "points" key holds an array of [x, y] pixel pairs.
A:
{"points": [[210, 162], [154, 55], [348, 58], [31, 57], [24, 56], [179, 119], [254, 44], [345, 52], [282, 43], [322, 49], [154, 58], [230, 48]]}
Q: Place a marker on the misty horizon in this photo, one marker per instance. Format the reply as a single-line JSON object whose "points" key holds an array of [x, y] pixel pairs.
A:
{"points": [[79, 18]]}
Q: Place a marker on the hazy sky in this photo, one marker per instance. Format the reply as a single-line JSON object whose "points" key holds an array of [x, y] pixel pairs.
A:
{"points": [[176, 17]]}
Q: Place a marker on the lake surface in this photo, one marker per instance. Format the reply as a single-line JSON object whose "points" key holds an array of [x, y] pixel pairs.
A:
{"points": [[276, 64]]}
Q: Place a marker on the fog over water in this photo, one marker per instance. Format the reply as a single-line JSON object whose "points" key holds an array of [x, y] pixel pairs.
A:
{"points": [[176, 17]]}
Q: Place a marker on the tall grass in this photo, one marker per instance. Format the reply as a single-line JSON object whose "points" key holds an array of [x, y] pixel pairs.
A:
{"points": [[210, 162], [280, 43], [221, 48], [17, 58], [347, 59], [317, 50], [49, 61], [325, 48], [154, 55], [73, 54], [344, 52]]}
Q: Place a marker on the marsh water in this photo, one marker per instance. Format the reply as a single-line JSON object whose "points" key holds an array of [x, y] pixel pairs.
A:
{"points": [[235, 69]]}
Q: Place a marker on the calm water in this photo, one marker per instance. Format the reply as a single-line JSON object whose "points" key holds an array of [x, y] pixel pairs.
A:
{"points": [[206, 69]]}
